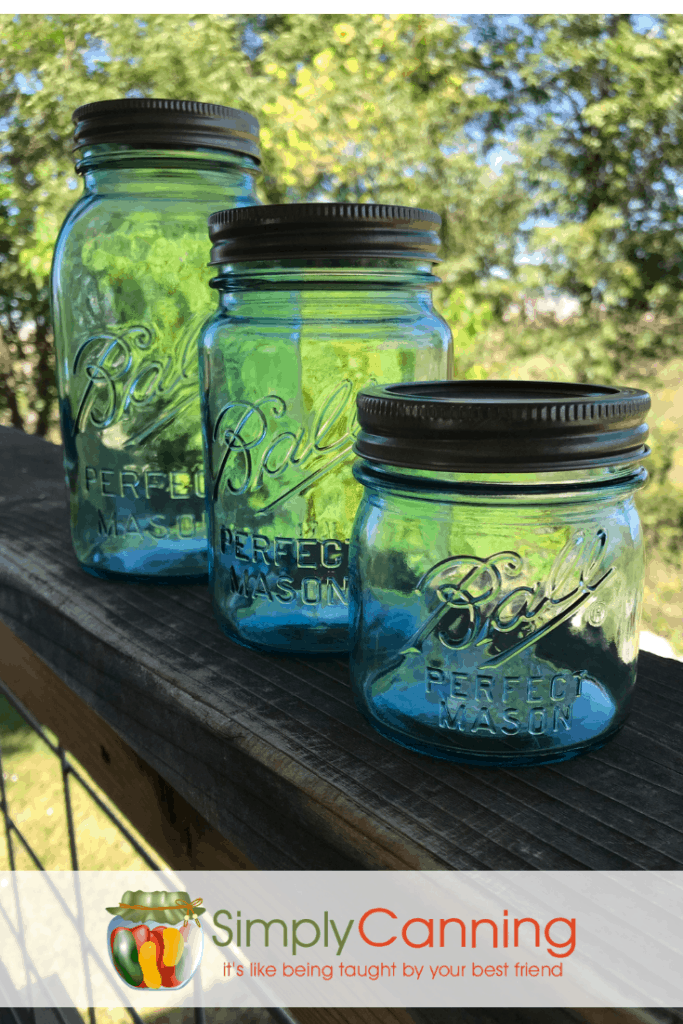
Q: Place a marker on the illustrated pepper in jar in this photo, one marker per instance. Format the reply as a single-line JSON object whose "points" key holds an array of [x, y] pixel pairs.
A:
{"points": [[148, 945]]}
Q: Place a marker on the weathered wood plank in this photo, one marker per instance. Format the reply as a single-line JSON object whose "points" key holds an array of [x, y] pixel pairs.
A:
{"points": [[271, 751], [309, 1015], [170, 825], [543, 1016]]}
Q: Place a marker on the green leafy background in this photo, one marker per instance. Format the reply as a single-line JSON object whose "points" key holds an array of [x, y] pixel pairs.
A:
{"points": [[551, 145]]}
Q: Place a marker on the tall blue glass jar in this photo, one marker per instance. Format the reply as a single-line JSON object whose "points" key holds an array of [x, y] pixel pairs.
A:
{"points": [[129, 295], [315, 301], [497, 566]]}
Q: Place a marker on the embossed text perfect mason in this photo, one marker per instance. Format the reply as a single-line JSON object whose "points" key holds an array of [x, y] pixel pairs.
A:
{"points": [[129, 295], [496, 566], [316, 300]]}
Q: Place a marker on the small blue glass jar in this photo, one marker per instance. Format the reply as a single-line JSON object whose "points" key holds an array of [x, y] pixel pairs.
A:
{"points": [[315, 301], [130, 292], [496, 566]]}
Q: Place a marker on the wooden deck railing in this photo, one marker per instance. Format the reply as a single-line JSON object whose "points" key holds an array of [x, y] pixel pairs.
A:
{"points": [[224, 758]]}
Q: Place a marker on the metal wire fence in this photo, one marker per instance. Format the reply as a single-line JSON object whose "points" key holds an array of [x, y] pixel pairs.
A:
{"points": [[16, 839], [68, 771]]}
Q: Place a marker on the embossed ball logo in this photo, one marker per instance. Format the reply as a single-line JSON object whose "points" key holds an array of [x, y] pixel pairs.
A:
{"points": [[263, 445], [148, 945], [472, 605], [123, 376]]}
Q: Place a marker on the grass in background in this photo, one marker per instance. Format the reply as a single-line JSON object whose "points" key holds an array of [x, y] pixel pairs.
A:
{"points": [[33, 784], [491, 353], [185, 1015], [221, 1015], [35, 795], [663, 605]]}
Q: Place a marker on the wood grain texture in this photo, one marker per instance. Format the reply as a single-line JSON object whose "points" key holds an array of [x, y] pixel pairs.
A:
{"points": [[270, 750], [609, 1016], [170, 825], [309, 1015], [537, 1015]]}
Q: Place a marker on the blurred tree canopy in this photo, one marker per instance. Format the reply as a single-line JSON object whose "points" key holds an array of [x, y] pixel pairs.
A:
{"points": [[553, 135], [596, 109], [372, 108], [551, 145]]}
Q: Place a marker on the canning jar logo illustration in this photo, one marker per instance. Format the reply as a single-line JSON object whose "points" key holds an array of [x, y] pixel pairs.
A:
{"points": [[148, 945]]}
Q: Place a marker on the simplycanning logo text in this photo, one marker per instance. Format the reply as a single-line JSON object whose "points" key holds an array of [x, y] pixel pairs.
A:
{"points": [[380, 927]]}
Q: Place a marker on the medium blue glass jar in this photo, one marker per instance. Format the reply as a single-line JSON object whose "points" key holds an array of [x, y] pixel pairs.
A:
{"points": [[315, 301], [129, 295], [497, 567]]}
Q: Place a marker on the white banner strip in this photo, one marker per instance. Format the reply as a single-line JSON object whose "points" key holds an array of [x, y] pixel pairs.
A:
{"points": [[342, 938]]}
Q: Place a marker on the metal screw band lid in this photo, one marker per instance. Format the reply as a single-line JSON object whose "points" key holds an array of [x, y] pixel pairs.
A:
{"points": [[169, 124], [501, 426], [324, 230]]}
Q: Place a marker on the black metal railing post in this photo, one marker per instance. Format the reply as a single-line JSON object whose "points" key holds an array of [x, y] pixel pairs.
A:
{"points": [[5, 815], [69, 770], [66, 768]]}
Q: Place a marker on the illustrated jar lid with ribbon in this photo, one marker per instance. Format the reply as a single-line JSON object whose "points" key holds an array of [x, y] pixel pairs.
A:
{"points": [[148, 945]]}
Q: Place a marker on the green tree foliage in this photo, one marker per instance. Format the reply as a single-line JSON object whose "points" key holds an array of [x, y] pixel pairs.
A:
{"points": [[586, 109], [596, 110], [393, 109], [368, 108], [594, 107]]}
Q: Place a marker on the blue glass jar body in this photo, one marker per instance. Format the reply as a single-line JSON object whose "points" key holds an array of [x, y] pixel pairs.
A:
{"points": [[496, 617], [129, 295], [280, 366]]}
